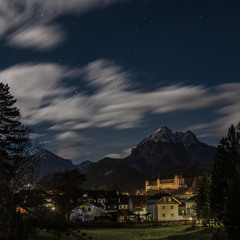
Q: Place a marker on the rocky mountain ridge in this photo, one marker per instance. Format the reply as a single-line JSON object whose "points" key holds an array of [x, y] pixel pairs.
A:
{"points": [[163, 134], [164, 149], [162, 153]]}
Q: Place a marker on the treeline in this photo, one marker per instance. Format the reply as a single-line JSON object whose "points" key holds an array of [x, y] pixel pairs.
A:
{"points": [[217, 199]]}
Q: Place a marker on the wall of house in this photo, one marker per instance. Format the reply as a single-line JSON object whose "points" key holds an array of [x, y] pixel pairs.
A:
{"points": [[86, 212], [167, 212], [155, 212]]}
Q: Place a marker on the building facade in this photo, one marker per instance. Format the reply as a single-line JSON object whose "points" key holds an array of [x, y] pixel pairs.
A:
{"points": [[163, 207], [176, 183]]}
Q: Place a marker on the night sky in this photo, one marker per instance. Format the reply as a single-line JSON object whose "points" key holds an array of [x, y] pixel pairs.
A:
{"points": [[94, 77]]}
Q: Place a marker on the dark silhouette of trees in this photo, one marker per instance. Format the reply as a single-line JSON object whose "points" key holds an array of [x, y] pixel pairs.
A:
{"points": [[17, 164], [68, 184], [203, 201], [225, 187]]}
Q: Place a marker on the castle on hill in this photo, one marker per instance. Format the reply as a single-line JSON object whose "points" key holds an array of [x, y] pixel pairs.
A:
{"points": [[178, 182]]}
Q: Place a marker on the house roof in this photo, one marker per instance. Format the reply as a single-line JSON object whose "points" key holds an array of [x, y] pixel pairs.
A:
{"points": [[159, 198], [155, 198], [89, 204], [138, 201]]}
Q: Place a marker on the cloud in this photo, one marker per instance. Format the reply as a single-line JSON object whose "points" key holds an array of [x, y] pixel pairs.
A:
{"points": [[71, 143], [38, 37], [45, 96], [30, 23], [32, 85], [228, 112], [123, 154]]}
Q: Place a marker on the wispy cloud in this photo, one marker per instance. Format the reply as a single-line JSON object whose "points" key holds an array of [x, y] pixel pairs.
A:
{"points": [[44, 96], [123, 154], [228, 97], [71, 144], [29, 23]]}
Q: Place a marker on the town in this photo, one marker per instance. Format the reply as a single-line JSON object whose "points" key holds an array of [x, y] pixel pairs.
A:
{"points": [[94, 205]]}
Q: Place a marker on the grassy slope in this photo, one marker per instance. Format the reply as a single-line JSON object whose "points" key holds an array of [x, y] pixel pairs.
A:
{"points": [[156, 233]]}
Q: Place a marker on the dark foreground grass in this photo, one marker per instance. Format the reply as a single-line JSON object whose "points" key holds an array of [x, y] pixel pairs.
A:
{"points": [[155, 233], [43, 235]]}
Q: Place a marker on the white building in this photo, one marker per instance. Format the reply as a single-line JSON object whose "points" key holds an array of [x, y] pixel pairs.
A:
{"points": [[163, 207]]}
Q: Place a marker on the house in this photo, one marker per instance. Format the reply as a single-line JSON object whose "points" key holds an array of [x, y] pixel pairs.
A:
{"points": [[34, 199], [163, 207], [190, 205], [87, 212], [137, 206], [116, 202], [123, 216]]}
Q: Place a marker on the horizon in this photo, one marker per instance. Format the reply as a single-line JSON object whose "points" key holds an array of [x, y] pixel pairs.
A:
{"points": [[116, 157]]}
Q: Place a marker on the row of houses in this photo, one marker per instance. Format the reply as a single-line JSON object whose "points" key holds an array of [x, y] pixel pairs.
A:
{"points": [[95, 205], [159, 207]]}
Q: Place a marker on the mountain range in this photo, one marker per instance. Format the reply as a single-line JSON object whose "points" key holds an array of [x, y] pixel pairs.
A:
{"points": [[163, 154]]}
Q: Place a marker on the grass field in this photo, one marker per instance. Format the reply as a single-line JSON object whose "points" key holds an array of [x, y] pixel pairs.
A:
{"points": [[155, 233], [43, 235]]}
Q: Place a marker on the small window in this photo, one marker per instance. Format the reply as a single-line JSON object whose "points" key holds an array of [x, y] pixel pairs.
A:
{"points": [[83, 209], [163, 215], [172, 214], [89, 209], [172, 207], [163, 207]]}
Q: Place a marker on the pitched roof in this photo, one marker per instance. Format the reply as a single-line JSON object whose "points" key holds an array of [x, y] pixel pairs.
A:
{"points": [[155, 198], [139, 200]]}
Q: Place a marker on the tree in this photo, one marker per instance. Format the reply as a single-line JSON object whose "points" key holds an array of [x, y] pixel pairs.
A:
{"points": [[17, 164], [225, 187], [69, 184], [203, 201]]}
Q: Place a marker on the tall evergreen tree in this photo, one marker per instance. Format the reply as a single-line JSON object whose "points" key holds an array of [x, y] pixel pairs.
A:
{"points": [[203, 201], [9, 121], [225, 188], [16, 162]]}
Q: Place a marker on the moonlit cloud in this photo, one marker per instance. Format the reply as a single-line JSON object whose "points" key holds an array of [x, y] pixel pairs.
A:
{"points": [[29, 23], [38, 37], [71, 144], [228, 111], [125, 153], [44, 97]]}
